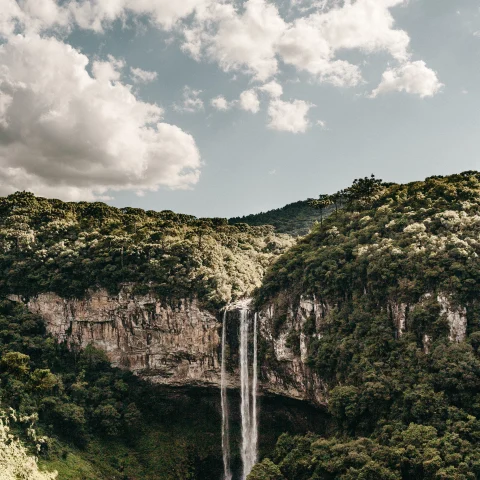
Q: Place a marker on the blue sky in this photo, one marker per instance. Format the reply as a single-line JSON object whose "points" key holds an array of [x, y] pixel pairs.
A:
{"points": [[369, 86]]}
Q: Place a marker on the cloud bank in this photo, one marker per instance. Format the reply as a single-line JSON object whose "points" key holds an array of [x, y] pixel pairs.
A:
{"points": [[68, 134]]}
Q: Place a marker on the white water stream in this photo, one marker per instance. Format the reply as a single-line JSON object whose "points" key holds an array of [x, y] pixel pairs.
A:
{"points": [[227, 474], [248, 397]]}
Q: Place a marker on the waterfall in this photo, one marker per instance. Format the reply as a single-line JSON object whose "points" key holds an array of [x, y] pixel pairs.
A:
{"points": [[245, 393], [248, 410], [227, 474], [254, 435]]}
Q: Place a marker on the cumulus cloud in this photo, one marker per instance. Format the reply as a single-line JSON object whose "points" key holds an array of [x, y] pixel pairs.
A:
{"points": [[68, 134], [249, 101], [191, 102], [289, 116], [220, 103], [412, 77], [273, 88], [238, 40], [108, 71], [142, 76], [249, 36], [97, 14], [253, 37], [38, 15]]}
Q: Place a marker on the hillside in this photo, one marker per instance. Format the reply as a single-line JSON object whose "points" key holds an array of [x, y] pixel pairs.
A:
{"points": [[376, 309], [295, 219], [394, 336], [69, 248]]}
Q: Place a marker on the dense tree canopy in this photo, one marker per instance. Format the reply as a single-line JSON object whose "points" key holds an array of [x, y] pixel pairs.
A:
{"points": [[68, 248], [404, 399]]}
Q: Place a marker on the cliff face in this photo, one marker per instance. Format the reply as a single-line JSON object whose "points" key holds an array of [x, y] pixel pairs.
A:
{"points": [[177, 346], [180, 345], [286, 369]]}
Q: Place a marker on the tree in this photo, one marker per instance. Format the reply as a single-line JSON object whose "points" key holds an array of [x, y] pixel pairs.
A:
{"points": [[266, 470], [323, 202], [363, 190], [15, 363]]}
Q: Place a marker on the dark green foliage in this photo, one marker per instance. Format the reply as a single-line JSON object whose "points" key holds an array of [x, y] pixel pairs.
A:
{"points": [[295, 219], [75, 394], [404, 404], [101, 422], [69, 248]]}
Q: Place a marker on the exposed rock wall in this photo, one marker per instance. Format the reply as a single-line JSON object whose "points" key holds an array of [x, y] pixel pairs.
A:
{"points": [[180, 345], [288, 370], [176, 346]]}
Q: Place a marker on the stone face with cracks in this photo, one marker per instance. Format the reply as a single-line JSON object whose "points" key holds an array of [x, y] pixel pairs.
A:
{"points": [[171, 345], [177, 346]]}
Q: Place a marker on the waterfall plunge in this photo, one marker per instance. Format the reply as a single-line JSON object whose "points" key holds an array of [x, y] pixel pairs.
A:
{"points": [[248, 410], [248, 391], [227, 474]]}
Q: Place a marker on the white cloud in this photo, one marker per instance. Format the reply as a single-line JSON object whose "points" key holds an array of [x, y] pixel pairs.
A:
{"points": [[67, 134], [220, 103], [38, 15], [108, 71], [412, 77], [243, 40], [142, 76], [32, 15], [254, 37], [248, 36], [97, 14], [322, 124], [289, 116], [191, 102], [311, 42], [249, 101], [273, 88]]}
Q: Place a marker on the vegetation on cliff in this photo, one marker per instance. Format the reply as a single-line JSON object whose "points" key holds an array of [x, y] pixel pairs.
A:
{"points": [[69, 248], [94, 421], [396, 274]]}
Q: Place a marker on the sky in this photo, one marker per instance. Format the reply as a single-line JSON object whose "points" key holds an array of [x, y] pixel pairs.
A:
{"points": [[229, 107]]}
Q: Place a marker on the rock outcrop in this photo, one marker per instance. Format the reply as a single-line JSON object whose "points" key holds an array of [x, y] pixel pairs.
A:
{"points": [[179, 345], [172, 345], [175, 345]]}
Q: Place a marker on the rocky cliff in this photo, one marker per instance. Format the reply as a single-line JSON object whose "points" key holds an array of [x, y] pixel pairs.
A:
{"points": [[179, 345], [175, 345]]}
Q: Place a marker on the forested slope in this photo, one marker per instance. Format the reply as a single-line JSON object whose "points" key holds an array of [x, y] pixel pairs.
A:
{"points": [[68, 248], [397, 273], [294, 219]]}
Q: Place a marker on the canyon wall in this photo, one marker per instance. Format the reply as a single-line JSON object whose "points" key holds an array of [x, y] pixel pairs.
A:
{"points": [[179, 345], [173, 345]]}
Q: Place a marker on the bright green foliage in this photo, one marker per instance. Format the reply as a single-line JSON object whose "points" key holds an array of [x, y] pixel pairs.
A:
{"points": [[68, 248], [405, 404], [16, 462], [266, 470]]}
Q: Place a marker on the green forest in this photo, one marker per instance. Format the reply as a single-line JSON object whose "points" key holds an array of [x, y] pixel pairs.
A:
{"points": [[70, 248], [403, 401], [295, 219], [403, 405]]}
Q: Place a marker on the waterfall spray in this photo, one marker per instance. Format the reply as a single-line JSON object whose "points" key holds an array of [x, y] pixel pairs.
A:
{"points": [[254, 435], [227, 474]]}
